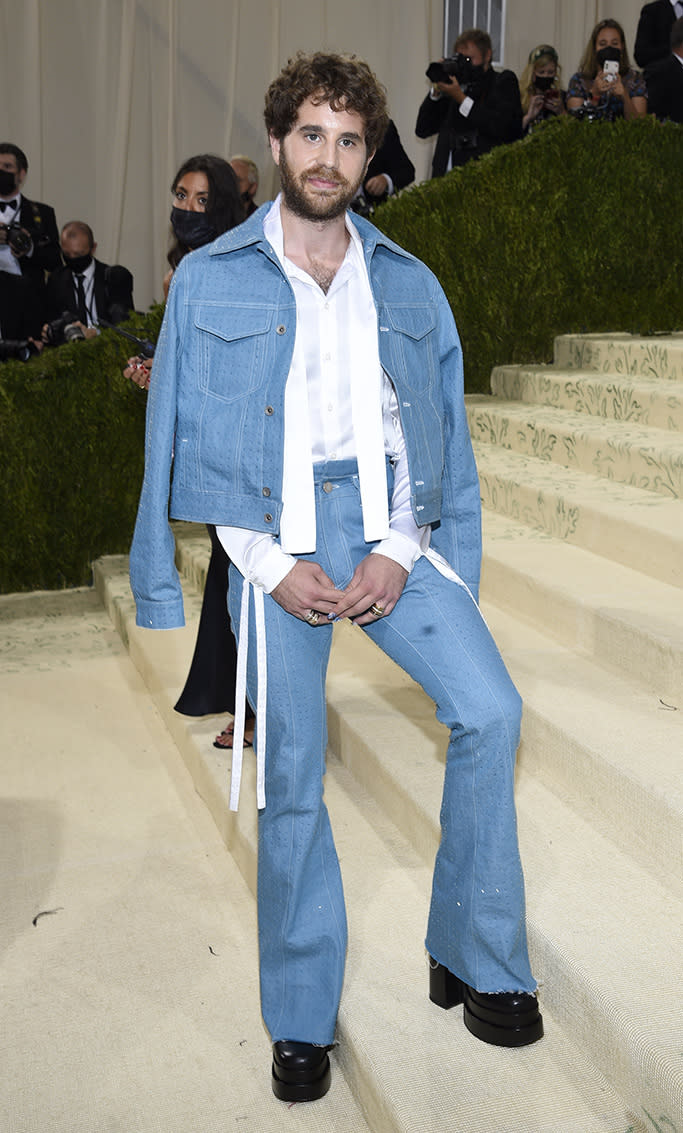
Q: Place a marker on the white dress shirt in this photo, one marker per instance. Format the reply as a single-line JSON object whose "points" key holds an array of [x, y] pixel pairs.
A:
{"points": [[89, 289], [327, 323], [8, 261]]}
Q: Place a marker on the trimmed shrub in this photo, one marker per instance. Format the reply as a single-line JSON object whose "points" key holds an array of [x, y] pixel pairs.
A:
{"points": [[72, 443], [576, 228]]}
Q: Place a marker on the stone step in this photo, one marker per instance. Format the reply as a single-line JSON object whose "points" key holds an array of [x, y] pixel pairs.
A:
{"points": [[591, 906], [640, 529], [640, 455], [411, 1066], [658, 356], [625, 621], [645, 401]]}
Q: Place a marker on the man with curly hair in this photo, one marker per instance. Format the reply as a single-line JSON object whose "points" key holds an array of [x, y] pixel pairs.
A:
{"points": [[309, 378]]}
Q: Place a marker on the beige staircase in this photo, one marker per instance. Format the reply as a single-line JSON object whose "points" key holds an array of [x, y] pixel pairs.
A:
{"points": [[581, 469]]}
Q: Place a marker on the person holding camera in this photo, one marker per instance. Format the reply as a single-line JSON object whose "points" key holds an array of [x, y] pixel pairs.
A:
{"points": [[471, 107], [84, 290], [606, 86], [29, 246], [542, 96]]}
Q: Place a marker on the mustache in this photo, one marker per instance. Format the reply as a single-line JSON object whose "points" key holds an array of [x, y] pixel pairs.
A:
{"points": [[327, 173]]}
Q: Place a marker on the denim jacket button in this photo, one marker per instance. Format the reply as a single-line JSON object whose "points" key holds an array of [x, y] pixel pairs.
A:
{"points": [[268, 517], [281, 329], [269, 410], [266, 491]]}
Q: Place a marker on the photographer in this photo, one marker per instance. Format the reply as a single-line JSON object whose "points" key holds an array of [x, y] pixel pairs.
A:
{"points": [[29, 245], [606, 87], [85, 286], [472, 107]]}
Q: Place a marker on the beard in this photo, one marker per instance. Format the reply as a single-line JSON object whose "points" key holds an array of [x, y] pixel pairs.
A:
{"points": [[317, 206]]}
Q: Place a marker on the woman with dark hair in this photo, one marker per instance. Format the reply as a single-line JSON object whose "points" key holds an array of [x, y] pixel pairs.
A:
{"points": [[206, 203], [606, 86]]}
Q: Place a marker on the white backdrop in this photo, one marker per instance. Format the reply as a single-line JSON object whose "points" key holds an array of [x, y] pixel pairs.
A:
{"points": [[107, 97]]}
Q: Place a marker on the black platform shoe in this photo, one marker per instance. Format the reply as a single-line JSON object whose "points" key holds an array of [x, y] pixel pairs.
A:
{"points": [[506, 1018], [301, 1071]]}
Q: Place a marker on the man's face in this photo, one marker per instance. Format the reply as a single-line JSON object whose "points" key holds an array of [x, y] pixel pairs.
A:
{"points": [[75, 244], [322, 161], [9, 164], [478, 57]]}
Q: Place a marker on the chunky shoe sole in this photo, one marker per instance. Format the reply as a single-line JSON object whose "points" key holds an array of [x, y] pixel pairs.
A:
{"points": [[490, 1022], [302, 1085]]}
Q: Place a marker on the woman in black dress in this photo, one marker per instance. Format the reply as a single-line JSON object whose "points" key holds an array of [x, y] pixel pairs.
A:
{"points": [[206, 203]]}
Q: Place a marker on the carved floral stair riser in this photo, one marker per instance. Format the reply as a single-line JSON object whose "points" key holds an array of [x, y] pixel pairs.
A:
{"points": [[631, 454], [622, 354], [642, 401]]}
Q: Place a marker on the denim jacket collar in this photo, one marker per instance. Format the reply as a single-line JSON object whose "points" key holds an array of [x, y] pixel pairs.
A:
{"points": [[251, 232]]}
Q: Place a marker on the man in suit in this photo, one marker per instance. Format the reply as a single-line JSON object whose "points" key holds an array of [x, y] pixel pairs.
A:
{"points": [[390, 169], [29, 246], [473, 117], [654, 31], [665, 80], [85, 286]]}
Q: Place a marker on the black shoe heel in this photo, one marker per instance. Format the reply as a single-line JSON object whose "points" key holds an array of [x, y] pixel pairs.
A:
{"points": [[445, 989]]}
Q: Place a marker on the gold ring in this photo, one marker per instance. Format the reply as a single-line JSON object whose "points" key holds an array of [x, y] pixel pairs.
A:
{"points": [[376, 610], [312, 617]]}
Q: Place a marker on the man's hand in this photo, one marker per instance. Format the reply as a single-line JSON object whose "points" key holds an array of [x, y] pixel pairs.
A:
{"points": [[307, 588], [376, 186], [452, 89], [377, 580]]}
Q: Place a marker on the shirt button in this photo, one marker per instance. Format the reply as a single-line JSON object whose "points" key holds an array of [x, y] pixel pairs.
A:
{"points": [[281, 329], [269, 410], [326, 357], [268, 517], [327, 486], [266, 491]]}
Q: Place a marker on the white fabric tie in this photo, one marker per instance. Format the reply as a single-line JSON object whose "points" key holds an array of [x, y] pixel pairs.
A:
{"points": [[240, 698]]}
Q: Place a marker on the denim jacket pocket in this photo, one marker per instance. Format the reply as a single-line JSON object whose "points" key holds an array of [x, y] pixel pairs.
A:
{"points": [[232, 344], [414, 343]]}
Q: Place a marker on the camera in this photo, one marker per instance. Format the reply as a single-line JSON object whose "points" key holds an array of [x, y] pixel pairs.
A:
{"points": [[18, 238], [18, 349], [456, 66], [65, 327]]}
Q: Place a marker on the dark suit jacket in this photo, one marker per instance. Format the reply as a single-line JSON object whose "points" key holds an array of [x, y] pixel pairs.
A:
{"points": [[495, 118], [113, 292], [665, 88], [391, 158], [653, 37], [21, 307], [40, 221]]}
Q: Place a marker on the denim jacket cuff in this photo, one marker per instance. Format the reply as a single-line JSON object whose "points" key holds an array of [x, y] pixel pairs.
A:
{"points": [[160, 615]]}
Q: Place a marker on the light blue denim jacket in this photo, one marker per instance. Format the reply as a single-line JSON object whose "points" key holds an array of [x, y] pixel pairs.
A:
{"points": [[215, 413]]}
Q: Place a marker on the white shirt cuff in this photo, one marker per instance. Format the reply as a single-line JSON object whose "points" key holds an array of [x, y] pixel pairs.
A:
{"points": [[256, 555]]}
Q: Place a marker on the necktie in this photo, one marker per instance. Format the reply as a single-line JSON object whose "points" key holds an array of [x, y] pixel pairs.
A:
{"points": [[80, 297], [7, 205]]}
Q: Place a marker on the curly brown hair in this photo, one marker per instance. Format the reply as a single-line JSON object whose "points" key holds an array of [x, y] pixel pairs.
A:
{"points": [[343, 81]]}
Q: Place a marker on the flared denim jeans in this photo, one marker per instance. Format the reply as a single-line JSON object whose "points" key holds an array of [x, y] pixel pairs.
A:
{"points": [[436, 633]]}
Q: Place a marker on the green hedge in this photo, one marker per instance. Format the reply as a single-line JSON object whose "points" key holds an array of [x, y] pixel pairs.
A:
{"points": [[72, 444], [576, 228]]}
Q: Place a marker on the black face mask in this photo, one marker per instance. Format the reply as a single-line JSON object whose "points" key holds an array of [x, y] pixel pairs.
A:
{"points": [[192, 228], [77, 264], [8, 183], [606, 53], [543, 82]]}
